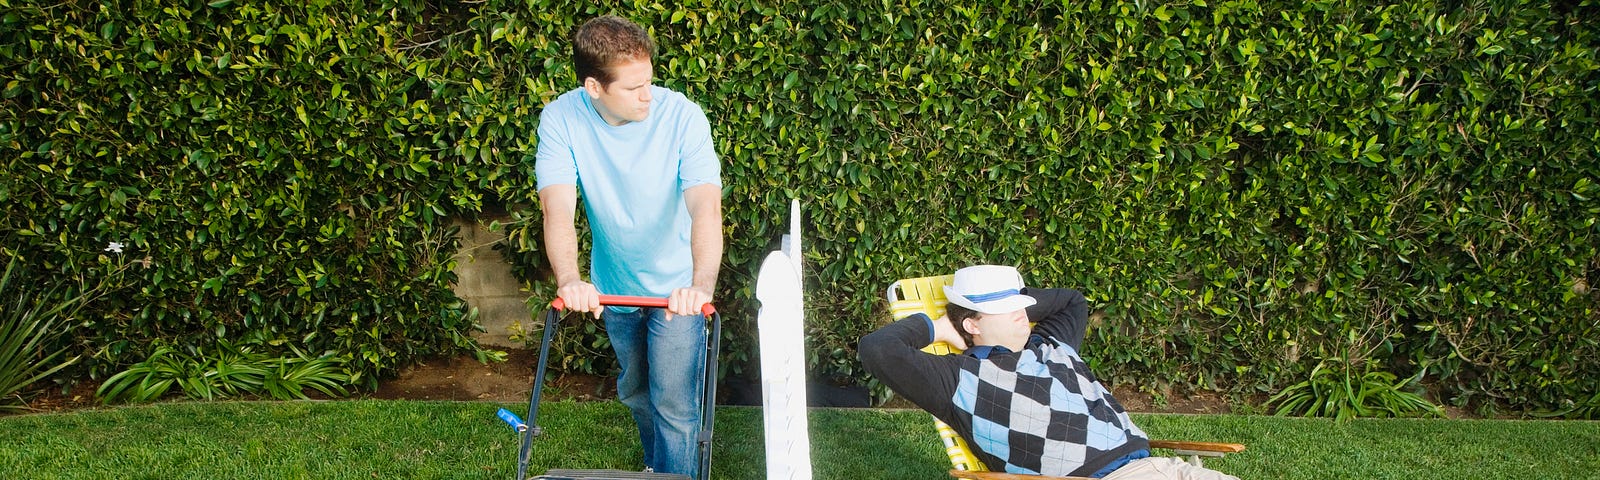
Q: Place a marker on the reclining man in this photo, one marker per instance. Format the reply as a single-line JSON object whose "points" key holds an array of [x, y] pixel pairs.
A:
{"points": [[1021, 396]]}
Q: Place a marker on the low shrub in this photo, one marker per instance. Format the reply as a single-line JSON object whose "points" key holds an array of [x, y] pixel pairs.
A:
{"points": [[228, 370], [1342, 390], [32, 320]]}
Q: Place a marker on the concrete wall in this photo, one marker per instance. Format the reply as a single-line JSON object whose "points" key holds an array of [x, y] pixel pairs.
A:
{"points": [[485, 282]]}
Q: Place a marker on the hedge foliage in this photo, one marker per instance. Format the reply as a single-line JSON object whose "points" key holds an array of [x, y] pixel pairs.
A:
{"points": [[278, 171], [1245, 189]]}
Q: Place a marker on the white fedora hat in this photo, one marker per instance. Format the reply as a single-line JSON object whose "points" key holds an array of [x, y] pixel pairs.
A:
{"points": [[988, 289]]}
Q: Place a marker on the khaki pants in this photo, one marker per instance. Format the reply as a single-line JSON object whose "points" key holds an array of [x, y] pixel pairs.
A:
{"points": [[1165, 468]]}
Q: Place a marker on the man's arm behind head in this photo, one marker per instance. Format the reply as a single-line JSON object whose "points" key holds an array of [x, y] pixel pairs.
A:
{"points": [[893, 355], [1061, 313]]}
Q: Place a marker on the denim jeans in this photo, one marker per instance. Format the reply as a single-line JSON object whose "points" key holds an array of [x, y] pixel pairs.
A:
{"points": [[663, 360]]}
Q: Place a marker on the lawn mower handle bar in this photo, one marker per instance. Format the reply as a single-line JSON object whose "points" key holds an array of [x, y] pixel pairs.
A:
{"points": [[630, 301]]}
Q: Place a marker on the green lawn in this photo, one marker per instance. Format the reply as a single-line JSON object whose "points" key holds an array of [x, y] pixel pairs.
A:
{"points": [[413, 439]]}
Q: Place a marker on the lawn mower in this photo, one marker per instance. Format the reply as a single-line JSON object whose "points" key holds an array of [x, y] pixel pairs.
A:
{"points": [[530, 429]]}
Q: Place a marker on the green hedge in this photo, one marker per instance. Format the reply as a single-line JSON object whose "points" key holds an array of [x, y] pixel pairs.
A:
{"points": [[279, 171], [1243, 188]]}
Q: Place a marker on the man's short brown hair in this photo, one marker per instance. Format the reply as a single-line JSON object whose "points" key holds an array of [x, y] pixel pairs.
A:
{"points": [[606, 41], [958, 316]]}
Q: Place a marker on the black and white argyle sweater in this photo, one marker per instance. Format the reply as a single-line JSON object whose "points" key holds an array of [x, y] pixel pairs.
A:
{"points": [[1036, 411]]}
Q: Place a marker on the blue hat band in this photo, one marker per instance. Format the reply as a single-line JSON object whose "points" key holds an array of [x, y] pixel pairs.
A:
{"points": [[992, 296]]}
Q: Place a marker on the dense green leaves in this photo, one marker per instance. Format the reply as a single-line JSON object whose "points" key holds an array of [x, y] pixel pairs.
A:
{"points": [[275, 171], [1244, 189]]}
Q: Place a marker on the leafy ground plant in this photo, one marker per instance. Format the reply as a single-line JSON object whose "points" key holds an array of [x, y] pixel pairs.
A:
{"points": [[1337, 389], [1587, 410], [28, 325], [229, 370]]}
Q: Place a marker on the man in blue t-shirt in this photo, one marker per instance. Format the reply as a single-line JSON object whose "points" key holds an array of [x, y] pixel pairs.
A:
{"points": [[1021, 396], [643, 159]]}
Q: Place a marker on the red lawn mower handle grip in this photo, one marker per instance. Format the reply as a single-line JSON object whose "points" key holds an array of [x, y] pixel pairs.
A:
{"points": [[630, 301]]}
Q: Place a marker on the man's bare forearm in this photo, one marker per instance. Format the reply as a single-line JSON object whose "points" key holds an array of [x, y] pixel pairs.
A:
{"points": [[560, 235], [705, 234]]}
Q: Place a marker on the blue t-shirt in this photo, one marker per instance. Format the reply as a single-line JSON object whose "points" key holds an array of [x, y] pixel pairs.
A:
{"points": [[632, 179]]}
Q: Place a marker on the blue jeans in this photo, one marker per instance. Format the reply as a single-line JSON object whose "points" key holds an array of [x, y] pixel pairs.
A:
{"points": [[663, 363]]}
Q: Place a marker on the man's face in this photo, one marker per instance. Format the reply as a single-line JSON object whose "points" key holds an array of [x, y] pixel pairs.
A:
{"points": [[1007, 329], [627, 98]]}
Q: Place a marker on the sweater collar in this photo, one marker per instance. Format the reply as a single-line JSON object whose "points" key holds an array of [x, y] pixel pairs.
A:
{"points": [[982, 352]]}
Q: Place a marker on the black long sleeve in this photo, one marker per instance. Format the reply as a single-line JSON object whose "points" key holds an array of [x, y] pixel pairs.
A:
{"points": [[894, 355], [1062, 313]]}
